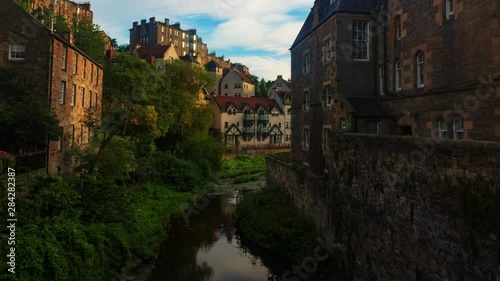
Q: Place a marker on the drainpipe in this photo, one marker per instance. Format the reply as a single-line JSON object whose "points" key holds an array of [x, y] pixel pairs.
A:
{"points": [[51, 53]]}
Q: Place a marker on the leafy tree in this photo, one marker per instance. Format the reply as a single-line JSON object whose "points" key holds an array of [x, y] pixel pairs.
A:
{"points": [[90, 39], [18, 130], [263, 88]]}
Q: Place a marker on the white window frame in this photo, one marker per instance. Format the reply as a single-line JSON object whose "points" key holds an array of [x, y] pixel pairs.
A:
{"points": [[359, 39], [420, 70], [442, 129], [450, 8], [398, 79], [75, 63], [59, 142], [17, 51], [73, 95], [64, 57], [458, 128], [62, 93], [343, 123]]}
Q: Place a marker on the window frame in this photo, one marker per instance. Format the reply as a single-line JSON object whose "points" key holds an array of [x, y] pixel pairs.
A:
{"points": [[449, 8], [306, 66], [19, 55], [442, 129], [328, 50], [306, 101], [420, 71], [381, 79], [458, 128], [328, 96], [305, 138], [398, 27], [398, 75], [62, 93], [365, 38], [64, 58]]}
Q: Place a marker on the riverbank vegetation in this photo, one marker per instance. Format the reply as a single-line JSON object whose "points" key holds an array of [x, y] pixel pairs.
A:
{"points": [[268, 218], [243, 169], [149, 151]]}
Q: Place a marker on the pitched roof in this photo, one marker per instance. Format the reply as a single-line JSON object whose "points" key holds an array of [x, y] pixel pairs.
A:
{"points": [[242, 75], [338, 6], [156, 51], [189, 58], [213, 63], [366, 106], [240, 102]]}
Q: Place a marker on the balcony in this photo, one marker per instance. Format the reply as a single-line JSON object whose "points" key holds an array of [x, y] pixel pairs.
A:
{"points": [[248, 117], [263, 117], [249, 130]]}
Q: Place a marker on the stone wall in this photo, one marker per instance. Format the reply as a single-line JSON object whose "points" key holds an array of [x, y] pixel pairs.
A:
{"points": [[404, 208]]}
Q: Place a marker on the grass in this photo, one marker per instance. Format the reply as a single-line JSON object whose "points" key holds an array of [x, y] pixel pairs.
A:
{"points": [[243, 166]]}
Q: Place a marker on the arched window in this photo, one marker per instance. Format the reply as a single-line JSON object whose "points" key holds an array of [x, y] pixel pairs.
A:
{"points": [[420, 63], [397, 27], [398, 79]]}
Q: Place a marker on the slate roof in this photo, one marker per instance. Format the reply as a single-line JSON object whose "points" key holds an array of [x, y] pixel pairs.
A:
{"points": [[242, 75], [189, 58], [240, 102], [339, 6], [156, 51], [366, 106]]}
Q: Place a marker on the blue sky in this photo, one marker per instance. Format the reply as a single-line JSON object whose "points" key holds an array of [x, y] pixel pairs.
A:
{"points": [[255, 33]]}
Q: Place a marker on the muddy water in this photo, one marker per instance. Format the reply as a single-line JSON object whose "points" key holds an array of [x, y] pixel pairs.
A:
{"points": [[208, 249]]}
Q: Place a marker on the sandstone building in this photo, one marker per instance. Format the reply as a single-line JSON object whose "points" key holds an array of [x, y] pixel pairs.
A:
{"points": [[56, 69]]}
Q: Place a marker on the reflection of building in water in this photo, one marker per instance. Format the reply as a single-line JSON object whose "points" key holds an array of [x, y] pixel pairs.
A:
{"points": [[228, 209]]}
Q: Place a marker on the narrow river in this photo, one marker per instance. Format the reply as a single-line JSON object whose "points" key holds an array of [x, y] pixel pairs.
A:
{"points": [[208, 249]]}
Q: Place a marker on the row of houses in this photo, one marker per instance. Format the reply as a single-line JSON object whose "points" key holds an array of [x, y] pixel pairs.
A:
{"points": [[428, 68], [51, 64]]}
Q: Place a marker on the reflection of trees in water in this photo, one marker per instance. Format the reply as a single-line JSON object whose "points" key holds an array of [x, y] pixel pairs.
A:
{"points": [[178, 254], [257, 255]]}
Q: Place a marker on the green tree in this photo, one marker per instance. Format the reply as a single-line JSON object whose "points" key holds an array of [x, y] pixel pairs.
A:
{"points": [[18, 130], [90, 39], [263, 88]]}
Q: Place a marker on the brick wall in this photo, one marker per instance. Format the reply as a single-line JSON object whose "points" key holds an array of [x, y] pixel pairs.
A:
{"points": [[405, 208]]}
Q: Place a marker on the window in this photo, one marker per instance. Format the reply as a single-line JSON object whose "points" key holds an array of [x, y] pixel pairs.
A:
{"points": [[96, 98], [90, 99], [91, 73], [83, 68], [230, 140], [442, 129], [306, 66], [306, 138], [306, 101], [381, 75], [71, 134], [73, 95], [458, 128], [75, 63], [225, 86], [17, 51], [83, 97], [81, 134], [449, 8], [398, 74], [397, 27], [226, 124], [420, 69], [62, 95], [328, 96], [97, 77], [360, 40], [343, 123], [64, 55], [59, 142], [371, 127], [327, 49]]}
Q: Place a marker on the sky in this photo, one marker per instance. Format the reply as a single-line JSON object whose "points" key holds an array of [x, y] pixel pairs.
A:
{"points": [[255, 33]]}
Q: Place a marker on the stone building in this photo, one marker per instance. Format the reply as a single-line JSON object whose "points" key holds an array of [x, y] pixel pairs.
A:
{"points": [[157, 55], [249, 122], [395, 67], [56, 69], [281, 91], [153, 33], [236, 83], [71, 10]]}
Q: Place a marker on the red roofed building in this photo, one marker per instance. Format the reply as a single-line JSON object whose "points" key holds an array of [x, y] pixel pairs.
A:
{"points": [[249, 122], [157, 55]]}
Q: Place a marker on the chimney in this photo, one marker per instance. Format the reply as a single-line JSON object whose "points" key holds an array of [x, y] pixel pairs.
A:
{"points": [[167, 22], [280, 76], [152, 20], [135, 24]]}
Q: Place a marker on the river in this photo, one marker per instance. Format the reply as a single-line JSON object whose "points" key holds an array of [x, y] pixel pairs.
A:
{"points": [[208, 248]]}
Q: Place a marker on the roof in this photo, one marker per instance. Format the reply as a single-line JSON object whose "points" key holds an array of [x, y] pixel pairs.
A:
{"points": [[156, 51], [242, 75], [338, 6], [189, 58], [240, 102], [366, 106], [213, 63]]}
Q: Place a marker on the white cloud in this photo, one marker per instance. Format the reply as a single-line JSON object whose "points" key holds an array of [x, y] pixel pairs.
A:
{"points": [[257, 25]]}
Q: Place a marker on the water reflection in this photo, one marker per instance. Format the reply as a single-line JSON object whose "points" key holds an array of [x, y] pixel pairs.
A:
{"points": [[210, 250]]}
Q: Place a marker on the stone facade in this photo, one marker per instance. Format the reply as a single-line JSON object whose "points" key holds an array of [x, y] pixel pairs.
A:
{"points": [[235, 83], [153, 33], [404, 208], [56, 69], [70, 10]]}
